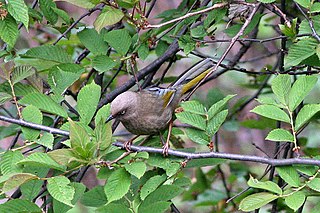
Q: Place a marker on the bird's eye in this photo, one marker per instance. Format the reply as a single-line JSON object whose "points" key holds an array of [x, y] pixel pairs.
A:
{"points": [[122, 112]]}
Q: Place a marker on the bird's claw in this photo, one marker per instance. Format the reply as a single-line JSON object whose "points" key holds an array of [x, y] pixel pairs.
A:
{"points": [[127, 145], [165, 150]]}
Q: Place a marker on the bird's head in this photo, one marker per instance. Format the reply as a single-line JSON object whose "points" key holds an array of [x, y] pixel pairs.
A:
{"points": [[122, 105]]}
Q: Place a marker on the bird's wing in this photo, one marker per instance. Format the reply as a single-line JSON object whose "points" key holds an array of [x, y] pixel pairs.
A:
{"points": [[166, 94]]}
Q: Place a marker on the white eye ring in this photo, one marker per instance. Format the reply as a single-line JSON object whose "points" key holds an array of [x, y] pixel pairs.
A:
{"points": [[122, 112]]}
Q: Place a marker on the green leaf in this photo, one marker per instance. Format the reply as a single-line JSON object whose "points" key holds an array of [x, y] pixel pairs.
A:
{"points": [[88, 99], [204, 162], [157, 200], [4, 97], [266, 185], [289, 175], [315, 7], [21, 72], [300, 51], [62, 156], [152, 184], [34, 115], [192, 119], [280, 135], [87, 4], [117, 185], [281, 86], [305, 114], [8, 163], [19, 205], [60, 189], [49, 53], [295, 200], [143, 51], [94, 197], [217, 107], [19, 10], [103, 63], [300, 89], [114, 208], [80, 141], [198, 32], [93, 41], [314, 184], [215, 122], [256, 201], [187, 44], [197, 136], [62, 76], [41, 160], [46, 140], [102, 114], [194, 107], [136, 168], [46, 8], [304, 3], [103, 133], [267, 1], [9, 32], [17, 180], [272, 112], [120, 40], [63, 14], [108, 16], [44, 103]]}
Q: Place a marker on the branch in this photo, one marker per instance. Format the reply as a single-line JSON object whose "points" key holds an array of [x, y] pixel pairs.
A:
{"points": [[228, 156], [216, 6]]}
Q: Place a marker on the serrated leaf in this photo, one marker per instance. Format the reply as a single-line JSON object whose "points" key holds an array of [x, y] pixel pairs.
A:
{"points": [[49, 53], [93, 41], [108, 16], [304, 3], [217, 107], [256, 201], [272, 112], [197, 136], [215, 122], [136, 168], [300, 89], [34, 115], [19, 205], [314, 184], [120, 40], [94, 197], [60, 189], [44, 103], [4, 97], [281, 86], [194, 107], [117, 185], [102, 114], [114, 208], [80, 141], [280, 135], [46, 8], [103, 133], [187, 43], [46, 140], [17, 180], [295, 200], [143, 51], [152, 184], [62, 156], [87, 4], [8, 163], [289, 175], [9, 32], [19, 10], [267, 185], [63, 14], [21, 72], [103, 63], [192, 119], [88, 99], [305, 114], [315, 7], [41, 160], [300, 51]]}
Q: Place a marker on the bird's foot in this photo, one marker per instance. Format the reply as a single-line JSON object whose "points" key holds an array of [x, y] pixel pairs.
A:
{"points": [[127, 145], [165, 150]]}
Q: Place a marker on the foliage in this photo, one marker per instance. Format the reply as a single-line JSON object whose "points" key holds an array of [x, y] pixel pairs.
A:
{"points": [[59, 74]]}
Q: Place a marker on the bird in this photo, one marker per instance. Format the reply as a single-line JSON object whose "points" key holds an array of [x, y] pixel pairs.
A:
{"points": [[150, 111]]}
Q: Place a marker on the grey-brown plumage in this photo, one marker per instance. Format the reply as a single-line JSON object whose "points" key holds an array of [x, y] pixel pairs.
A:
{"points": [[149, 111]]}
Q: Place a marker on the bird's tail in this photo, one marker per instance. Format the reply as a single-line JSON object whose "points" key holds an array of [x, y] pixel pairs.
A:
{"points": [[192, 76]]}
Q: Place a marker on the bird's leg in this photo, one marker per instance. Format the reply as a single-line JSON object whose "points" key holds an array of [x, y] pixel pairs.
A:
{"points": [[128, 143], [166, 146]]}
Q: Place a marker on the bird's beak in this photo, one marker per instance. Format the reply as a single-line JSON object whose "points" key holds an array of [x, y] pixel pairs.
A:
{"points": [[109, 118]]}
